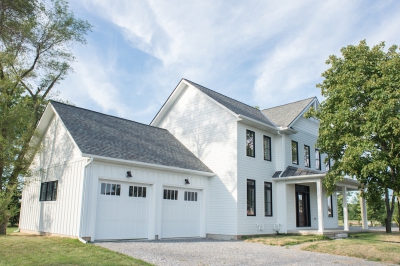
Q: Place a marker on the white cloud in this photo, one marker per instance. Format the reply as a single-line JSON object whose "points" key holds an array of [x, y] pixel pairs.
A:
{"points": [[92, 79], [280, 45]]}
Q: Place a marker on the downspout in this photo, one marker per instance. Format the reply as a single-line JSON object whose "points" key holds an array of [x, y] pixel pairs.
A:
{"points": [[82, 203], [283, 150]]}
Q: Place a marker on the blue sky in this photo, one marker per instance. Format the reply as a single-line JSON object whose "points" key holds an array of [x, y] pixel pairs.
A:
{"points": [[263, 53]]}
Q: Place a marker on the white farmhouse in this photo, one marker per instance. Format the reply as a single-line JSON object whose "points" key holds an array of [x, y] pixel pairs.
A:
{"points": [[206, 166]]}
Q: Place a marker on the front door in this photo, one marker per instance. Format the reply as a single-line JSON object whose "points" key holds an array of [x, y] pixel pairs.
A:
{"points": [[303, 206]]}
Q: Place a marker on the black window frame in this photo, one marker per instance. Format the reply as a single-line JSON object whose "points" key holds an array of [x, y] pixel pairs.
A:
{"points": [[249, 132], [137, 191], [266, 140], [266, 203], [329, 200], [252, 189], [48, 191], [307, 156], [317, 159], [328, 165], [296, 153], [170, 194]]}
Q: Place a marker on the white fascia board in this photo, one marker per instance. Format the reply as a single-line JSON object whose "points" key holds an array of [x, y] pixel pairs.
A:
{"points": [[216, 102], [182, 85], [66, 129], [255, 123], [302, 112], [300, 178], [149, 165]]}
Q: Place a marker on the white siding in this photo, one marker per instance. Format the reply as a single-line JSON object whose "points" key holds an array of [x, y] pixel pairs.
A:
{"points": [[260, 170], [56, 217], [307, 135], [209, 131], [57, 147], [155, 180], [59, 159]]}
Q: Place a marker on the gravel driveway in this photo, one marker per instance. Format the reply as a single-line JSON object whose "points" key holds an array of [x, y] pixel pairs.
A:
{"points": [[214, 252]]}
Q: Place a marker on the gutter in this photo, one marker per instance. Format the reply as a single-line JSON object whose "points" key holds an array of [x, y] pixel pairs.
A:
{"points": [[82, 203], [150, 165]]}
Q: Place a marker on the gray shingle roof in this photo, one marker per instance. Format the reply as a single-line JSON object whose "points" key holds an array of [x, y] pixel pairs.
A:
{"points": [[284, 115], [113, 137], [295, 171], [233, 105]]}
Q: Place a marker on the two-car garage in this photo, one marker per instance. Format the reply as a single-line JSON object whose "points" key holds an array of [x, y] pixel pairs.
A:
{"points": [[124, 211]]}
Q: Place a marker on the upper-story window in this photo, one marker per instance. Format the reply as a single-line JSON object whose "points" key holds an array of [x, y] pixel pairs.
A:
{"points": [[307, 162], [317, 159], [295, 152], [267, 148], [328, 165], [250, 147]]}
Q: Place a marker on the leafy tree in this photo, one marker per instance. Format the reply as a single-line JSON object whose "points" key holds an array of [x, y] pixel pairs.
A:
{"points": [[36, 38], [360, 119]]}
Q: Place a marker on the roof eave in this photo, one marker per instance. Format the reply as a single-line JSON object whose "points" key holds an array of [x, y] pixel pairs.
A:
{"points": [[303, 111], [149, 165], [266, 126]]}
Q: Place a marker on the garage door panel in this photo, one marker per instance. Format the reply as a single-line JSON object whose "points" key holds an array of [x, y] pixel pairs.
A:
{"points": [[181, 218], [122, 217]]}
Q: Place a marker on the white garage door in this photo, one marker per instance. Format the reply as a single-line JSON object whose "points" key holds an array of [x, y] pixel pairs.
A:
{"points": [[181, 213], [122, 210]]}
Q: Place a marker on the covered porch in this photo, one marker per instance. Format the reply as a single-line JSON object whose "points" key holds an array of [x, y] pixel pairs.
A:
{"points": [[309, 210]]}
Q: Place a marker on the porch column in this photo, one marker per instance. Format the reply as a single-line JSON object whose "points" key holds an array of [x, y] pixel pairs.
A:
{"points": [[363, 212], [320, 207], [345, 212]]}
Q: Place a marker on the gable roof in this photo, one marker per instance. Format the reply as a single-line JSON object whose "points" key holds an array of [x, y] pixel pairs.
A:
{"points": [[108, 136], [233, 105], [284, 115]]}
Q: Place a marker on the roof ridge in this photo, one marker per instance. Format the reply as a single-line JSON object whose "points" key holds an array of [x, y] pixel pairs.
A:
{"points": [[222, 94], [113, 116], [289, 103]]}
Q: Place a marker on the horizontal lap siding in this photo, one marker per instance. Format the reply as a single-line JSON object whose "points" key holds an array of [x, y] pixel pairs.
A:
{"points": [[307, 135], [209, 131], [58, 159], [261, 171]]}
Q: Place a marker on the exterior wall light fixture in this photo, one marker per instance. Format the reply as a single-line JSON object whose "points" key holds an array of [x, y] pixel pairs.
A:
{"points": [[128, 174], [187, 181]]}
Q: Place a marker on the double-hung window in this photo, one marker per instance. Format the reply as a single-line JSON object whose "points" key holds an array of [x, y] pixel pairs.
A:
{"points": [[250, 147], [317, 159], [48, 191], [329, 201], [251, 197], [307, 162], [268, 198], [295, 152], [267, 148]]}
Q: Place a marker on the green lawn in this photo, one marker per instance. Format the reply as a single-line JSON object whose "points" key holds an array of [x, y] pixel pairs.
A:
{"points": [[284, 240], [370, 246], [18, 249]]}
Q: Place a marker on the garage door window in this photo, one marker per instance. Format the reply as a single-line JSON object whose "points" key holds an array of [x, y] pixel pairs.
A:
{"points": [[190, 196], [136, 191], [170, 194], [110, 189]]}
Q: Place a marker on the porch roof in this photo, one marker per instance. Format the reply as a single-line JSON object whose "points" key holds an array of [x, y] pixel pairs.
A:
{"points": [[349, 183]]}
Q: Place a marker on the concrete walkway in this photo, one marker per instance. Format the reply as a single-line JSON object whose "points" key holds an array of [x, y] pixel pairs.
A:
{"points": [[214, 252]]}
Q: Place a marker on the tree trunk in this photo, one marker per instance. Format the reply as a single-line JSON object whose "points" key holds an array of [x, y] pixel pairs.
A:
{"points": [[398, 211], [389, 210], [3, 227]]}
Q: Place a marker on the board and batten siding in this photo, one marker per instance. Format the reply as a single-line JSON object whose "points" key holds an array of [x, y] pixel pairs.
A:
{"points": [[59, 159], [154, 180], [260, 170], [209, 132]]}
